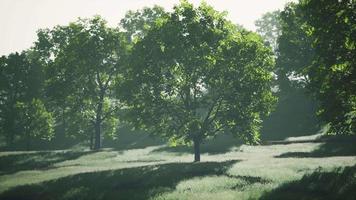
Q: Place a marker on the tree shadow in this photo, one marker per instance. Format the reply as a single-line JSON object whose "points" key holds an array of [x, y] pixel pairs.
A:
{"points": [[327, 149], [339, 184], [10, 164], [131, 183], [218, 145]]}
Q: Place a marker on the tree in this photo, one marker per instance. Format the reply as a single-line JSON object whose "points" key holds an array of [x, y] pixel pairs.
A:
{"points": [[295, 111], [21, 83], [269, 27], [332, 74], [34, 121], [194, 75], [84, 62], [13, 70], [316, 45], [295, 51], [137, 23]]}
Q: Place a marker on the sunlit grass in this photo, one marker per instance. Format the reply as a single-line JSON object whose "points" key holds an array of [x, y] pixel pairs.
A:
{"points": [[242, 172]]}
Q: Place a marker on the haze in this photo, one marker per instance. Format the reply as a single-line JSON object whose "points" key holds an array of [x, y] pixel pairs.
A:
{"points": [[20, 19]]}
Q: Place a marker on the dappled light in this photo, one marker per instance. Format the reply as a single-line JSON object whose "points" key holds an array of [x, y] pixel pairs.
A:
{"points": [[136, 183]]}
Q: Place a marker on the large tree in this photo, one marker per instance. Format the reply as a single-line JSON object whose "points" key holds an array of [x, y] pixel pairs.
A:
{"points": [[295, 51], [332, 75], [317, 46], [84, 62], [295, 111], [195, 75]]}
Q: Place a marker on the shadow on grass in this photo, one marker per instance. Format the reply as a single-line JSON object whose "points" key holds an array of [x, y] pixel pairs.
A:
{"points": [[131, 183], [34, 161], [221, 144], [339, 184], [327, 149]]}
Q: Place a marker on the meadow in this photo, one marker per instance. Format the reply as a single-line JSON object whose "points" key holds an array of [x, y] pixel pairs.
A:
{"points": [[296, 168]]}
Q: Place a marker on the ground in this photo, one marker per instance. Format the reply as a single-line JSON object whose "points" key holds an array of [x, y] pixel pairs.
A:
{"points": [[291, 170]]}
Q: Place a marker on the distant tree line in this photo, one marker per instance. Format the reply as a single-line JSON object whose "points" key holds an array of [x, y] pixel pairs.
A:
{"points": [[185, 75]]}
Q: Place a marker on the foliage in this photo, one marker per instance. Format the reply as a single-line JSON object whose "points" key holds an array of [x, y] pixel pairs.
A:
{"points": [[34, 120], [195, 75], [137, 23], [21, 107], [332, 28], [84, 61], [315, 50], [295, 51], [295, 112], [269, 27]]}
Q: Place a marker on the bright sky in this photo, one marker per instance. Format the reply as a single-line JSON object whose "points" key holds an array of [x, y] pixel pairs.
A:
{"points": [[20, 19]]}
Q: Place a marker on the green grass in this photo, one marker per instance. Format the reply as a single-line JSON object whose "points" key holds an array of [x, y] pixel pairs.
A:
{"points": [[283, 171]]}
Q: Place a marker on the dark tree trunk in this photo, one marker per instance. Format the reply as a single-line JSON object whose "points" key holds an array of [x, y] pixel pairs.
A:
{"points": [[98, 121], [97, 144], [10, 139], [196, 150], [28, 142], [11, 131], [63, 134], [91, 140]]}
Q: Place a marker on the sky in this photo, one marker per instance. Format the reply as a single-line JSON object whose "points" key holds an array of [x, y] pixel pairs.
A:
{"points": [[20, 19]]}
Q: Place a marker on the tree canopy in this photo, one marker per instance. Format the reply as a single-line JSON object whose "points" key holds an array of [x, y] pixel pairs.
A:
{"points": [[137, 23], [332, 28], [315, 46], [23, 115], [84, 61], [186, 75], [269, 27], [195, 75]]}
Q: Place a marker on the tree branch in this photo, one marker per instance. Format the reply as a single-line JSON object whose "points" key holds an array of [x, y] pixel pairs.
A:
{"points": [[99, 80], [216, 112], [210, 111], [219, 129], [106, 84]]}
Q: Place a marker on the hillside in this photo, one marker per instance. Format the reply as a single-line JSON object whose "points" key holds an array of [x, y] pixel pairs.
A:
{"points": [[278, 171]]}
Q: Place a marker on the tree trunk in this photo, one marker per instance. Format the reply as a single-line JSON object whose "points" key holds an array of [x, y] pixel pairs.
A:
{"points": [[91, 140], [10, 140], [28, 142], [97, 135], [63, 134], [196, 150], [98, 121]]}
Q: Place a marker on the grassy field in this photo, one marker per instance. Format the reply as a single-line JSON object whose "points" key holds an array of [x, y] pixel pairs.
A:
{"points": [[308, 170]]}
